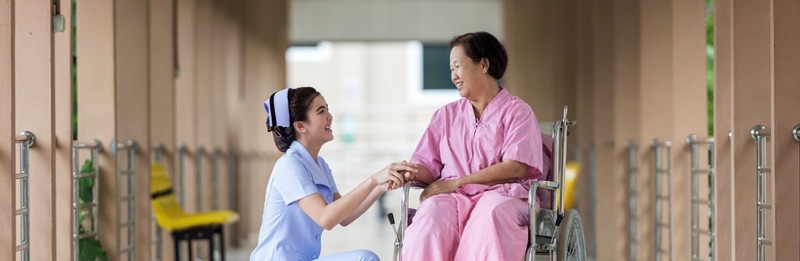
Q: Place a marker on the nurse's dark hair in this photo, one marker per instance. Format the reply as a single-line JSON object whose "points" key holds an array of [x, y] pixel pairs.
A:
{"points": [[480, 45], [299, 103]]}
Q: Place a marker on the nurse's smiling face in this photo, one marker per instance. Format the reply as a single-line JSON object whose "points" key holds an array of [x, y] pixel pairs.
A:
{"points": [[317, 127]]}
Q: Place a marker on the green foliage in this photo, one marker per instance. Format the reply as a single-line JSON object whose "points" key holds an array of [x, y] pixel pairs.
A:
{"points": [[85, 184], [710, 64], [89, 249]]}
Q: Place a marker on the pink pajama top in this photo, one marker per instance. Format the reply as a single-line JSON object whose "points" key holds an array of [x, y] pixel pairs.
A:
{"points": [[456, 144]]}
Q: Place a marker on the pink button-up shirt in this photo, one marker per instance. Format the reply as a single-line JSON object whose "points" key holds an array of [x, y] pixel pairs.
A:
{"points": [[456, 144]]}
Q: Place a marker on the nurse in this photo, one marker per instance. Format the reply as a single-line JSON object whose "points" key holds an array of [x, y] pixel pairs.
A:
{"points": [[479, 154], [302, 198]]}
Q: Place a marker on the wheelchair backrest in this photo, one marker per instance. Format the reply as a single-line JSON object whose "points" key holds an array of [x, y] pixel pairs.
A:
{"points": [[546, 196]]}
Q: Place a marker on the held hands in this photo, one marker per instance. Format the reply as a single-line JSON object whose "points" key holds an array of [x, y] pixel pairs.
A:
{"points": [[390, 177]]}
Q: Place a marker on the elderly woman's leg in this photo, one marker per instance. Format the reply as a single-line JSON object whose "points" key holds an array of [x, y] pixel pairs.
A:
{"points": [[496, 229], [435, 230]]}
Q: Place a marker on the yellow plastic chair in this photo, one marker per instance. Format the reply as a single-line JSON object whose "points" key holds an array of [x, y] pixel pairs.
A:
{"points": [[571, 174], [182, 225]]}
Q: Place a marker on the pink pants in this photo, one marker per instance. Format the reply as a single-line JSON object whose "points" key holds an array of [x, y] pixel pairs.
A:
{"points": [[488, 226]]}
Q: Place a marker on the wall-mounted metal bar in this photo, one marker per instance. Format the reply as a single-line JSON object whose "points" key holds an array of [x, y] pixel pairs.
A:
{"points": [[633, 168], [128, 197], [663, 169], [796, 132], [159, 149], [216, 155], [182, 152], [696, 172], [591, 166], [26, 140], [198, 181], [760, 134], [78, 205]]}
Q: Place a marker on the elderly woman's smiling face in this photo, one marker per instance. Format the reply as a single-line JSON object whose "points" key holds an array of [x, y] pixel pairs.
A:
{"points": [[465, 73]]}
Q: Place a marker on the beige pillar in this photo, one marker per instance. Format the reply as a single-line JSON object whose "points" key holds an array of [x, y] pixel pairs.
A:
{"points": [[185, 105], [752, 63], [785, 115], [723, 123], [657, 118], [688, 111], [8, 147], [96, 105], [34, 112], [162, 97], [62, 85], [266, 41], [204, 107], [583, 136], [610, 220], [133, 104], [627, 124]]}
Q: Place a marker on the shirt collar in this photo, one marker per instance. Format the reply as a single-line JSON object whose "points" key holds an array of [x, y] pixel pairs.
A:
{"points": [[315, 168]]}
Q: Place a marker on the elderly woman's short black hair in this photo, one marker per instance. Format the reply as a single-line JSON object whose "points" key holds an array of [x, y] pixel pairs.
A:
{"points": [[479, 45]]}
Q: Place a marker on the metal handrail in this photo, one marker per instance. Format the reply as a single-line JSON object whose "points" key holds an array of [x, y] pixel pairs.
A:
{"points": [[198, 181], [632, 171], [182, 152], [94, 147], [661, 171], [216, 154], [130, 147], [159, 149], [796, 132], [26, 141], [695, 172], [760, 134]]}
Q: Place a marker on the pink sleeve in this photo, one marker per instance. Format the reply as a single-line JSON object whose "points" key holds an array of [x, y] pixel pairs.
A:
{"points": [[523, 141], [427, 152]]}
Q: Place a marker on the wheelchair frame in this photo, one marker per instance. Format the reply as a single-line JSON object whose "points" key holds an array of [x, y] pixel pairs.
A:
{"points": [[547, 231]]}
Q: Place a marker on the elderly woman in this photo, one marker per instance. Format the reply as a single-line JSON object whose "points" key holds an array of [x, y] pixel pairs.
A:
{"points": [[479, 155]]}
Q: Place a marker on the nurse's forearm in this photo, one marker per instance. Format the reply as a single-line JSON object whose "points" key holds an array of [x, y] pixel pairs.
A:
{"points": [[371, 198], [329, 215], [503, 172]]}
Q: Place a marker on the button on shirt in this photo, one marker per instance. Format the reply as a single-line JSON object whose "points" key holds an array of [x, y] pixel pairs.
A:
{"points": [[287, 233]]}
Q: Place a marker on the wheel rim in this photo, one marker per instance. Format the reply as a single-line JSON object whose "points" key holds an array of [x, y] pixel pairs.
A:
{"points": [[575, 246]]}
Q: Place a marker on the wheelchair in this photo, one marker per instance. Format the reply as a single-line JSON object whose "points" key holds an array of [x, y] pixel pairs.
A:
{"points": [[553, 232]]}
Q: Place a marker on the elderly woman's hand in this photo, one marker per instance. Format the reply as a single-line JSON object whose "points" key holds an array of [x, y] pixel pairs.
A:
{"points": [[439, 187]]}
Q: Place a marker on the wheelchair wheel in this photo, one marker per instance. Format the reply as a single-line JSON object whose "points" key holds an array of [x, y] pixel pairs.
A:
{"points": [[571, 242]]}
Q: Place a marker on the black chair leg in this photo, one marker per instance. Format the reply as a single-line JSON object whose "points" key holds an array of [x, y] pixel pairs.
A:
{"points": [[222, 244], [190, 250], [177, 248], [211, 246]]}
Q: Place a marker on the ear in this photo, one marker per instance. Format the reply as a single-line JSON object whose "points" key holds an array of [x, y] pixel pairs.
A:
{"points": [[484, 65], [299, 126]]}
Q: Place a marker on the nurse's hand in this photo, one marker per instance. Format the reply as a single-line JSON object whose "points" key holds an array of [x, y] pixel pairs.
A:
{"points": [[391, 174], [439, 187]]}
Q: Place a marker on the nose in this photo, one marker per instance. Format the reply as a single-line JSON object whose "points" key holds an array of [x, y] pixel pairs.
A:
{"points": [[453, 76]]}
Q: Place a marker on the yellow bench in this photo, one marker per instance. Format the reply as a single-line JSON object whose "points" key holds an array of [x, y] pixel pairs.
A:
{"points": [[182, 225]]}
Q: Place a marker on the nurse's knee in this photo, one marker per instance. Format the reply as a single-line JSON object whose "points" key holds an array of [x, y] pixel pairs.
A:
{"points": [[365, 255]]}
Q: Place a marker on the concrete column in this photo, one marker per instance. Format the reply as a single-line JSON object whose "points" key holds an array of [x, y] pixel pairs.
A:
{"points": [[133, 104], [688, 111], [723, 124], [162, 96], [657, 118], [785, 115], [97, 107], [752, 70], [266, 41], [626, 110], [185, 104], [62, 89], [610, 219], [8, 131], [583, 136], [34, 112]]}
